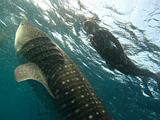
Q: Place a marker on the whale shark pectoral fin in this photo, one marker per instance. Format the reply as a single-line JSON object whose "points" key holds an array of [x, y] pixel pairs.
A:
{"points": [[30, 71]]}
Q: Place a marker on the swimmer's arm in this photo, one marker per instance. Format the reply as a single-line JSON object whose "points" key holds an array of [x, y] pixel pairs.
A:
{"points": [[117, 43]]}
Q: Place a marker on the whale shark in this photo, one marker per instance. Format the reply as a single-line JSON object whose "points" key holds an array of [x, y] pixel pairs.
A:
{"points": [[49, 65]]}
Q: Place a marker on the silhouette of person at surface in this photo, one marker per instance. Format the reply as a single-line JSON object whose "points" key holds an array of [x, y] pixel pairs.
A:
{"points": [[110, 49]]}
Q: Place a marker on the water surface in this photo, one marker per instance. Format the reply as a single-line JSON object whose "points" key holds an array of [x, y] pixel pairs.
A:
{"points": [[135, 23]]}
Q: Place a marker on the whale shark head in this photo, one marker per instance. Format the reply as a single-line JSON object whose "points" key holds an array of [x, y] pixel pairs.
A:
{"points": [[26, 32]]}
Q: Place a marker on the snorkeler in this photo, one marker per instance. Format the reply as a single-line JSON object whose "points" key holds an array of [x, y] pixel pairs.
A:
{"points": [[110, 49]]}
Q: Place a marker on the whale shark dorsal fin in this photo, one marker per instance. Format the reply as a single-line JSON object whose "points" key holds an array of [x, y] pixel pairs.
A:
{"points": [[30, 71]]}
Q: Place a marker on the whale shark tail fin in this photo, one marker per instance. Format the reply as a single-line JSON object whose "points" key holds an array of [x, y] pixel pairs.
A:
{"points": [[31, 71]]}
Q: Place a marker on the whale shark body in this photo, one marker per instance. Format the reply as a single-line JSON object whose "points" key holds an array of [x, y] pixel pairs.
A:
{"points": [[49, 65]]}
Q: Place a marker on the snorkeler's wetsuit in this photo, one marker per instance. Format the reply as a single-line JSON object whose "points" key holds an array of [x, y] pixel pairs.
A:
{"points": [[112, 52]]}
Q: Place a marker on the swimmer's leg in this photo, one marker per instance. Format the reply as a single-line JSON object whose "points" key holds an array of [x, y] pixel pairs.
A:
{"points": [[134, 70], [128, 67]]}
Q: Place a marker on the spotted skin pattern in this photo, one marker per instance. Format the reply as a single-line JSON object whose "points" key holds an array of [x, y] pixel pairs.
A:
{"points": [[75, 96]]}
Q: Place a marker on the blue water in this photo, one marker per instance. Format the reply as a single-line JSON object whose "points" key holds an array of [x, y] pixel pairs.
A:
{"points": [[135, 23]]}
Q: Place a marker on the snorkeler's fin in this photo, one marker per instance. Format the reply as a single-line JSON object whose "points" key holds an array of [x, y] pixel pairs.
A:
{"points": [[31, 71], [146, 91], [158, 79]]}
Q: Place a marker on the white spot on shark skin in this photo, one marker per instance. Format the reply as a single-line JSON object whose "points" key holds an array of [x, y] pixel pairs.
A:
{"points": [[74, 71], [60, 68], [77, 78], [68, 81], [90, 117], [72, 90], [92, 93], [86, 105], [77, 110], [67, 73], [82, 96], [63, 82], [91, 98], [73, 101], [66, 93], [103, 111], [97, 113]]}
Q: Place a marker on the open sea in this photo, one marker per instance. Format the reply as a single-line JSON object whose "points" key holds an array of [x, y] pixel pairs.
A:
{"points": [[136, 24]]}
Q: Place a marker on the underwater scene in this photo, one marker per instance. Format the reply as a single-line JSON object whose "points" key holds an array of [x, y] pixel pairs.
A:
{"points": [[112, 44]]}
